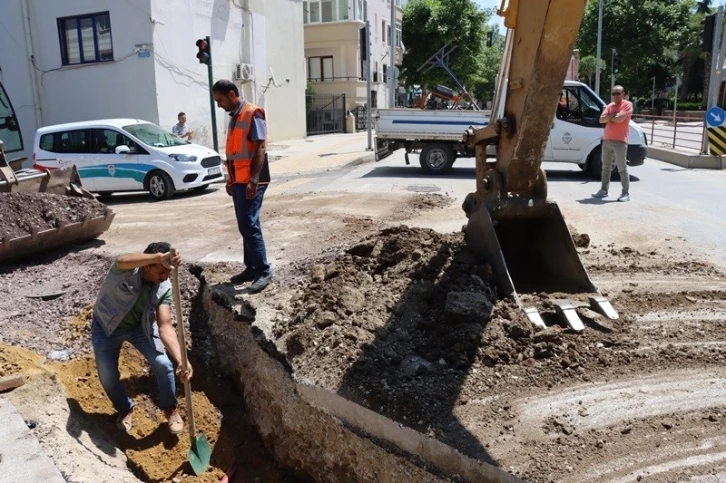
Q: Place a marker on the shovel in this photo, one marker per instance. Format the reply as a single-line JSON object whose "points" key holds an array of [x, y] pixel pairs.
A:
{"points": [[200, 452]]}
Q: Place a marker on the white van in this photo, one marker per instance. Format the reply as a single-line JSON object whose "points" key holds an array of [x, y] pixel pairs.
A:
{"points": [[127, 155], [575, 136]]}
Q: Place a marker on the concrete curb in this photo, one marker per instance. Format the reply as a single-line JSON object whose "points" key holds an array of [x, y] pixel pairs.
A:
{"points": [[690, 161]]}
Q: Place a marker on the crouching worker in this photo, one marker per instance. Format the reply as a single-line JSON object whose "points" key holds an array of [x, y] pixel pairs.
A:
{"points": [[134, 305]]}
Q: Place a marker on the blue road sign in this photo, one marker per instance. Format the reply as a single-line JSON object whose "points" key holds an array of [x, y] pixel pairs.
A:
{"points": [[715, 117]]}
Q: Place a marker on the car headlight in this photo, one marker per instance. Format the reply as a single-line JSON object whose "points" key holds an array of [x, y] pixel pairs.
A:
{"points": [[183, 157]]}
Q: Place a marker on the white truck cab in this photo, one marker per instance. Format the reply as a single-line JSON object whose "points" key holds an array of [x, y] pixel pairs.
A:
{"points": [[575, 136]]}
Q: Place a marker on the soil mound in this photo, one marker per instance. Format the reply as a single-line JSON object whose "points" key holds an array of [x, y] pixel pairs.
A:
{"points": [[23, 212]]}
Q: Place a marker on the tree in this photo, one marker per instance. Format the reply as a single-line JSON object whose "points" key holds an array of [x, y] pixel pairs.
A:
{"points": [[646, 33], [428, 25], [588, 68], [704, 7]]}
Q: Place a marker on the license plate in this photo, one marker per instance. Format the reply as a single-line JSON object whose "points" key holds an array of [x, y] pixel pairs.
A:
{"points": [[214, 171]]}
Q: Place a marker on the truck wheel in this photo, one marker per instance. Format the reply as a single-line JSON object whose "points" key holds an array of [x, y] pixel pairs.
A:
{"points": [[436, 158], [160, 185], [595, 165]]}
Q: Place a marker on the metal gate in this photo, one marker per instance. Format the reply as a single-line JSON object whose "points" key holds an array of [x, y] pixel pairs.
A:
{"points": [[325, 113]]}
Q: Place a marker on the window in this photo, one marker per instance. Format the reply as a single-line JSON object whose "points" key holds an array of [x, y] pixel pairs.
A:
{"points": [[320, 68], [67, 142], [153, 135], [105, 141], [578, 106], [85, 39], [399, 35], [383, 31], [9, 128], [316, 11]]}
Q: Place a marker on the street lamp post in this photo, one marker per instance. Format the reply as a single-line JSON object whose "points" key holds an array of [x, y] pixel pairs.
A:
{"points": [[652, 97], [599, 49]]}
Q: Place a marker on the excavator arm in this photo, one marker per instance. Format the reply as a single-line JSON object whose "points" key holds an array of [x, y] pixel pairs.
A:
{"points": [[511, 223]]}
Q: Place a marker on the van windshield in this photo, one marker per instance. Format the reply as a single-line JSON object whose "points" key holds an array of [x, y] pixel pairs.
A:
{"points": [[153, 135]]}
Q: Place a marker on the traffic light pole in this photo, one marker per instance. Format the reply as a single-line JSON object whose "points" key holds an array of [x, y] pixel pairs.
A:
{"points": [[612, 70], [212, 107], [713, 86]]}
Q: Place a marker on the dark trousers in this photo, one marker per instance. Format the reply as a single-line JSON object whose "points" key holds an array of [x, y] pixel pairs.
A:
{"points": [[248, 222]]}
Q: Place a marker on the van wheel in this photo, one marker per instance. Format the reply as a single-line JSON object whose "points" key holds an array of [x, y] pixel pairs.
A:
{"points": [[595, 165], [160, 186], [436, 158]]}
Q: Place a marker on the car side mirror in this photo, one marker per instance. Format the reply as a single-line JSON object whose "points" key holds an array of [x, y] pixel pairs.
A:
{"points": [[122, 149]]}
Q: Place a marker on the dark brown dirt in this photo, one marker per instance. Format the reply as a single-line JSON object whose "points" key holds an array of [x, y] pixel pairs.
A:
{"points": [[23, 212]]}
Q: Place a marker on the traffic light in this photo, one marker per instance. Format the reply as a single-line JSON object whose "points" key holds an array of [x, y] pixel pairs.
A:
{"points": [[709, 23], [204, 54], [490, 38], [363, 44], [616, 62]]}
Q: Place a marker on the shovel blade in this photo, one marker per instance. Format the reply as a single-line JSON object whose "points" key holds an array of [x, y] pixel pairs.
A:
{"points": [[530, 249], [199, 455]]}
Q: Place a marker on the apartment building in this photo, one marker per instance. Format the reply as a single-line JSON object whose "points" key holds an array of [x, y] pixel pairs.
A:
{"points": [[334, 63]]}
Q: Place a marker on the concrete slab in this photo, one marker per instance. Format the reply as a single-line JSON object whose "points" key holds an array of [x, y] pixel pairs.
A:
{"points": [[21, 457], [685, 160]]}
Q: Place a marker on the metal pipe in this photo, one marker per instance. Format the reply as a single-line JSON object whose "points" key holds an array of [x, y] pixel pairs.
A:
{"points": [[392, 55], [599, 49], [369, 97], [31, 57], [25, 178]]}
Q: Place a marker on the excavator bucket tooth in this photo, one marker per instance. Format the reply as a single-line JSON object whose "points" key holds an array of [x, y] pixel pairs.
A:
{"points": [[566, 311], [530, 249], [534, 317], [600, 304]]}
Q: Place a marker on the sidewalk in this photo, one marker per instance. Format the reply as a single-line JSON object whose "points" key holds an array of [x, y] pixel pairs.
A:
{"points": [[318, 153], [686, 158]]}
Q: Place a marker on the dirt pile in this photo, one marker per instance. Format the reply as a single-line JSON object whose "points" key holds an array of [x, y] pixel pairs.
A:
{"points": [[23, 212]]}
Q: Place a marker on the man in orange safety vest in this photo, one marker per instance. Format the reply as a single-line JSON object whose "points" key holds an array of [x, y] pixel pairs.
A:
{"points": [[249, 175]]}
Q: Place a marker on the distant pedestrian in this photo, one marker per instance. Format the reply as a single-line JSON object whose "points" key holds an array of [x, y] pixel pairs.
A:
{"points": [[616, 118], [181, 129], [134, 305], [249, 175]]}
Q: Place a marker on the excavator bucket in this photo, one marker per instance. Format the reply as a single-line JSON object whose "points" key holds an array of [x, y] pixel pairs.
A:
{"points": [[512, 225], [41, 239]]}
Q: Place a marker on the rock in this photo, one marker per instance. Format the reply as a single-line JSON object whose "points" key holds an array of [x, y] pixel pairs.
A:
{"points": [[713, 418], [317, 274], [351, 300], [413, 366], [332, 271], [667, 423], [626, 430], [467, 307], [582, 240], [550, 334], [325, 319]]}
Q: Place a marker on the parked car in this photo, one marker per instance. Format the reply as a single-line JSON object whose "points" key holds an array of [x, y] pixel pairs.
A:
{"points": [[575, 136], [114, 155]]}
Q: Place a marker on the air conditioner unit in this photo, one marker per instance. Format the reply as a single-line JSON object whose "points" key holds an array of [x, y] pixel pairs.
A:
{"points": [[244, 73]]}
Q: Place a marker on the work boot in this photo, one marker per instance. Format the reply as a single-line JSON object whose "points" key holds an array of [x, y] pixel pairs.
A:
{"points": [[600, 194], [260, 283], [174, 419], [123, 421], [247, 275], [624, 197]]}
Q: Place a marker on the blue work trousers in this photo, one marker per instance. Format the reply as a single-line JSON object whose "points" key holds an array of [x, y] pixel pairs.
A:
{"points": [[248, 222], [107, 348]]}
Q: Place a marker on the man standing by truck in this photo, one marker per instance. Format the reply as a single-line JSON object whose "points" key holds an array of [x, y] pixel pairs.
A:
{"points": [[616, 118]]}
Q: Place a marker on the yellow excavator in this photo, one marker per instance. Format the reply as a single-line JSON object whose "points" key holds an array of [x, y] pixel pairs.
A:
{"points": [[511, 224], [14, 179]]}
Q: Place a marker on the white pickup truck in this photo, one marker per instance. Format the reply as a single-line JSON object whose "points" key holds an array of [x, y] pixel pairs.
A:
{"points": [[575, 137]]}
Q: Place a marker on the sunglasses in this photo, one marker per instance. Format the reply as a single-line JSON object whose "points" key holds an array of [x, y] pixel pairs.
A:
{"points": [[617, 93]]}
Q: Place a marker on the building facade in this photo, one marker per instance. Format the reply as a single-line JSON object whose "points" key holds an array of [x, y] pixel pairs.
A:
{"points": [[334, 63], [92, 59]]}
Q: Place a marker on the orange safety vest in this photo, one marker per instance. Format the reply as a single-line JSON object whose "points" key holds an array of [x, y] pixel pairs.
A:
{"points": [[240, 150]]}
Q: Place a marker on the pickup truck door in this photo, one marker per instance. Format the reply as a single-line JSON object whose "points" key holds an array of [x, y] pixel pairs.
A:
{"points": [[576, 125]]}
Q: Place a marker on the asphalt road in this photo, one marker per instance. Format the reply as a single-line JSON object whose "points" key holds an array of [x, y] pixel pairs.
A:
{"points": [[669, 205]]}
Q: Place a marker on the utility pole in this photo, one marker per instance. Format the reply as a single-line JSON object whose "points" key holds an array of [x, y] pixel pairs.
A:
{"points": [[716, 61], [392, 55], [652, 97], [369, 99], [599, 49], [613, 69]]}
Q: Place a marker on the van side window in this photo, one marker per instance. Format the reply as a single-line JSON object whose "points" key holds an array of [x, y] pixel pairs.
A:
{"points": [[105, 141], [577, 106], [67, 142]]}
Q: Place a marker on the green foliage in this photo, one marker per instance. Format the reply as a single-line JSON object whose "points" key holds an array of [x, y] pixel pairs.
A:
{"points": [[429, 24], [588, 68], [649, 35]]}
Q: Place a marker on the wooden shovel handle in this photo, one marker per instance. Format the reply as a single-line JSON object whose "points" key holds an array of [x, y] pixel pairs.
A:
{"points": [[182, 347]]}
